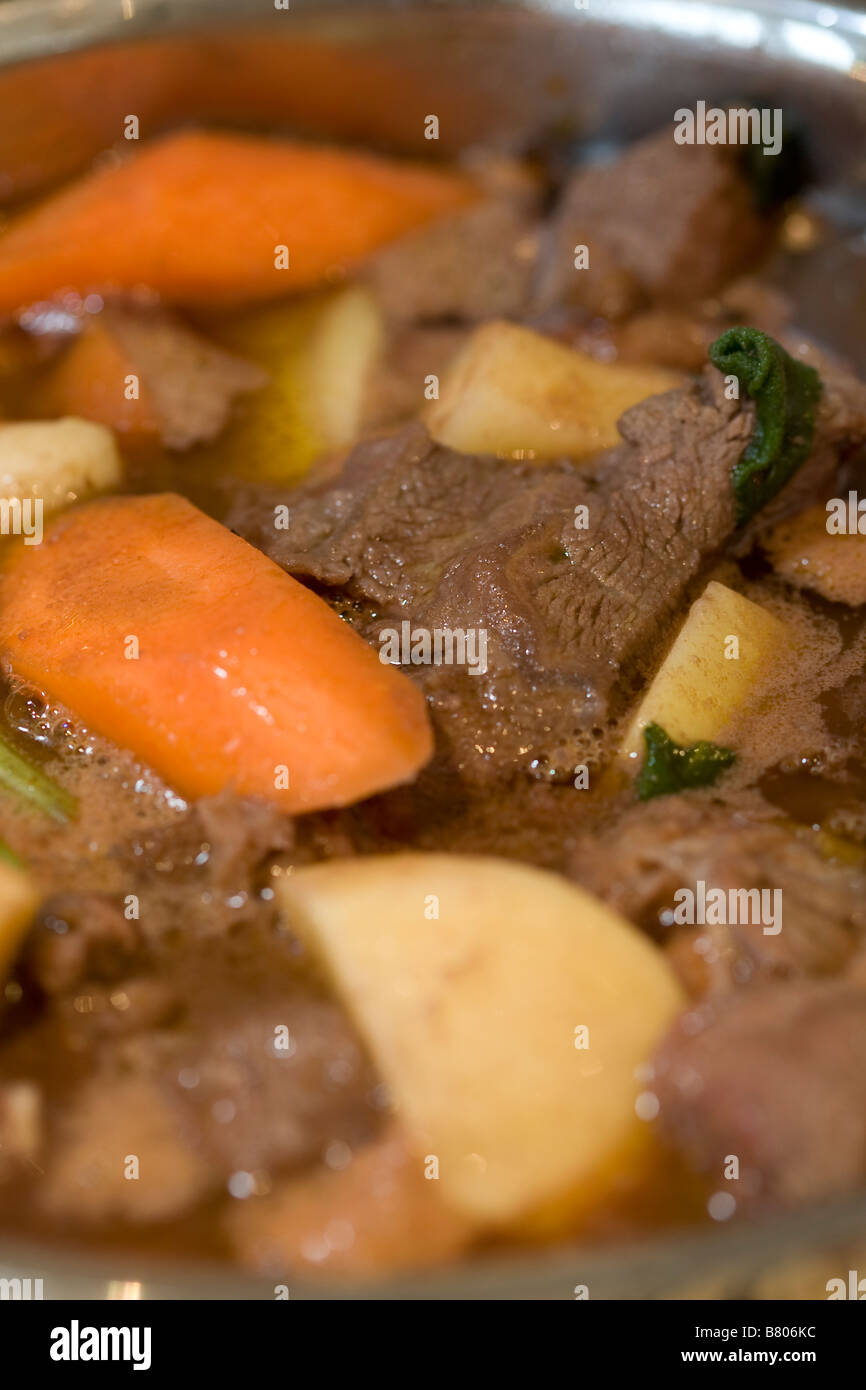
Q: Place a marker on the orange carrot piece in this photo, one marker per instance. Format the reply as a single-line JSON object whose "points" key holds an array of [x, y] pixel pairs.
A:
{"points": [[185, 384], [243, 678], [199, 216], [89, 382]]}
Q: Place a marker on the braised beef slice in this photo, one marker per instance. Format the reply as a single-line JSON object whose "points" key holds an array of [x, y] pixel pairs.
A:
{"points": [[475, 264], [532, 821], [574, 617], [670, 336], [190, 381], [664, 221], [196, 872], [190, 1035], [842, 415], [653, 850], [775, 1076], [204, 1064]]}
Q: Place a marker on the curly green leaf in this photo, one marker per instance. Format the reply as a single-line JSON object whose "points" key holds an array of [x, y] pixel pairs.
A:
{"points": [[786, 395], [672, 767]]}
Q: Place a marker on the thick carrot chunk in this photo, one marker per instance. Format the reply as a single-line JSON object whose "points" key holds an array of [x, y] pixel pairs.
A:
{"points": [[146, 374], [89, 381], [176, 639], [203, 217]]}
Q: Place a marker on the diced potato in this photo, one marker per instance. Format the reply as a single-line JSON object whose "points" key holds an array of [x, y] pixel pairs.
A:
{"points": [[18, 902], [347, 341], [514, 392], [470, 980], [804, 552], [702, 688], [319, 352], [58, 461]]}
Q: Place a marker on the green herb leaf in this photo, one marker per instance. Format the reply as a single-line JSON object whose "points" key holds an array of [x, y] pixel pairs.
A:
{"points": [[671, 767], [786, 395], [29, 784]]}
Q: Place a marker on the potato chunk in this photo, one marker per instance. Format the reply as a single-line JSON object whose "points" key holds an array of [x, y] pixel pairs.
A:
{"points": [[319, 353], [58, 461], [725, 655], [506, 1009], [514, 392]]}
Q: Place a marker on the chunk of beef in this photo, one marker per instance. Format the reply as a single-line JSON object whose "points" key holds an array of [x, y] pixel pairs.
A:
{"points": [[226, 834], [189, 383], [573, 616], [534, 821], [665, 335], [204, 867], [842, 418], [655, 849], [473, 265], [79, 936], [198, 871], [250, 1071], [777, 1077], [663, 221], [674, 337], [188, 1036], [271, 1082]]}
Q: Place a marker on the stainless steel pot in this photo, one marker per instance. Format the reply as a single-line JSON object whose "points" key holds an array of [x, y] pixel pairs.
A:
{"points": [[506, 74]]}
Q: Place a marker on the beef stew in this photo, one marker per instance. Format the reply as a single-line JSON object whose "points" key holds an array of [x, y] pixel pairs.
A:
{"points": [[430, 780]]}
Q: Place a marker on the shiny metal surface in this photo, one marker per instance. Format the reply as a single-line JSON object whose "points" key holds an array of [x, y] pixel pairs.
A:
{"points": [[502, 72], [507, 74]]}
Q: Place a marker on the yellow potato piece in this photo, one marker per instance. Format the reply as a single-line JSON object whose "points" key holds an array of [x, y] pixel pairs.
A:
{"points": [[805, 553], [319, 352], [19, 899], [468, 979], [57, 461], [517, 393], [702, 688]]}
